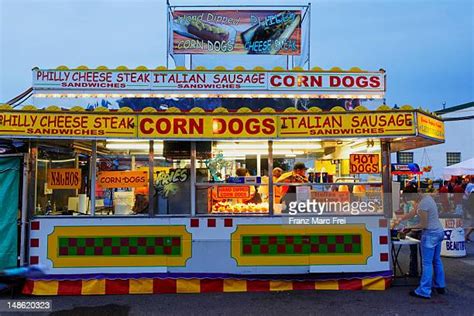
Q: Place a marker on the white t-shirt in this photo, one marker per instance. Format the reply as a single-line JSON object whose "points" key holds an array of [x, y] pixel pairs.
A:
{"points": [[428, 204]]}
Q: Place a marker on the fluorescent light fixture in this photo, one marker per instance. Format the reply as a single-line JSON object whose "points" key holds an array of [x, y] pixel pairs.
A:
{"points": [[242, 147], [260, 152], [305, 140], [57, 161], [127, 141], [277, 146], [132, 146], [236, 142], [374, 149]]}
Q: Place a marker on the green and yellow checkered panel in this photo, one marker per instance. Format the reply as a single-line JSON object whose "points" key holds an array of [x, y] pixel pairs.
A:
{"points": [[120, 246], [301, 245]]}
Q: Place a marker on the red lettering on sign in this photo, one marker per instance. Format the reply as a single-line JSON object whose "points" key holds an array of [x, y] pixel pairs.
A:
{"points": [[144, 126], [274, 82]]}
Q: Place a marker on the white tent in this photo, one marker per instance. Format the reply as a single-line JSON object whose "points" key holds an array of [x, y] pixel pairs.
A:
{"points": [[465, 167]]}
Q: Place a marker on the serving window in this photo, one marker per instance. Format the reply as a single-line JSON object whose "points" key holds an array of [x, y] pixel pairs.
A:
{"points": [[234, 179], [225, 177], [62, 178]]}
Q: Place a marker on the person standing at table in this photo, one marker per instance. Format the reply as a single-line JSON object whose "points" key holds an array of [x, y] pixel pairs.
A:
{"points": [[431, 238], [412, 219]]}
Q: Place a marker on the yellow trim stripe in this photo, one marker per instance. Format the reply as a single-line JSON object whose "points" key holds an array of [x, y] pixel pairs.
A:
{"points": [[188, 286], [141, 286], [93, 287], [45, 288]]}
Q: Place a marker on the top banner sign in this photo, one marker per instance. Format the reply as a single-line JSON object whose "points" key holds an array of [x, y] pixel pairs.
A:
{"points": [[260, 32], [370, 84]]}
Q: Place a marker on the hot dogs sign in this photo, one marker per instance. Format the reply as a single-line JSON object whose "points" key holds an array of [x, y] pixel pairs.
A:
{"points": [[261, 32]]}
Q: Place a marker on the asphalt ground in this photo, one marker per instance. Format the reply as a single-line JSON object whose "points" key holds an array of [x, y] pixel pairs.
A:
{"points": [[459, 299]]}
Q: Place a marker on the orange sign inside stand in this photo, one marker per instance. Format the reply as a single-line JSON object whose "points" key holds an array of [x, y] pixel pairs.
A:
{"points": [[233, 192], [122, 179], [330, 196], [64, 179], [364, 163]]}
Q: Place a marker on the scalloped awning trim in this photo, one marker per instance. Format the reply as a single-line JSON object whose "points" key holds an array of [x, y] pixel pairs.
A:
{"points": [[203, 68], [243, 110]]}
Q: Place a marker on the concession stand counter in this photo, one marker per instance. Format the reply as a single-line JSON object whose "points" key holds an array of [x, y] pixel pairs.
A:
{"points": [[163, 197]]}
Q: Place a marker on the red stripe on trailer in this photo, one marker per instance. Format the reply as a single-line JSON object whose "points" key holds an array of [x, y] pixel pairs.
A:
{"points": [[208, 285], [258, 286], [28, 287], [70, 287], [303, 285], [117, 286], [351, 285], [164, 286]]}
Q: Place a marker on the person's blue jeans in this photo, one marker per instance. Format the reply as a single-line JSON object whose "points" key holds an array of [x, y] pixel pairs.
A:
{"points": [[433, 271]]}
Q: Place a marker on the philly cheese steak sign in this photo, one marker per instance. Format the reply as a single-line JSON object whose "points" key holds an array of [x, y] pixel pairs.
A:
{"points": [[166, 126], [71, 125]]}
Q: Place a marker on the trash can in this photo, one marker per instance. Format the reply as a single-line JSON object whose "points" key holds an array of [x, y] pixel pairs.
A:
{"points": [[454, 244]]}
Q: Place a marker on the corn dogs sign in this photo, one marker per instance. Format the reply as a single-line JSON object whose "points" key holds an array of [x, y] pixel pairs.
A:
{"points": [[122, 179], [204, 126], [233, 192], [207, 127]]}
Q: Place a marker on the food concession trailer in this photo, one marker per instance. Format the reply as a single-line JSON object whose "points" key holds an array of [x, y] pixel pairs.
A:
{"points": [[149, 200]]}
